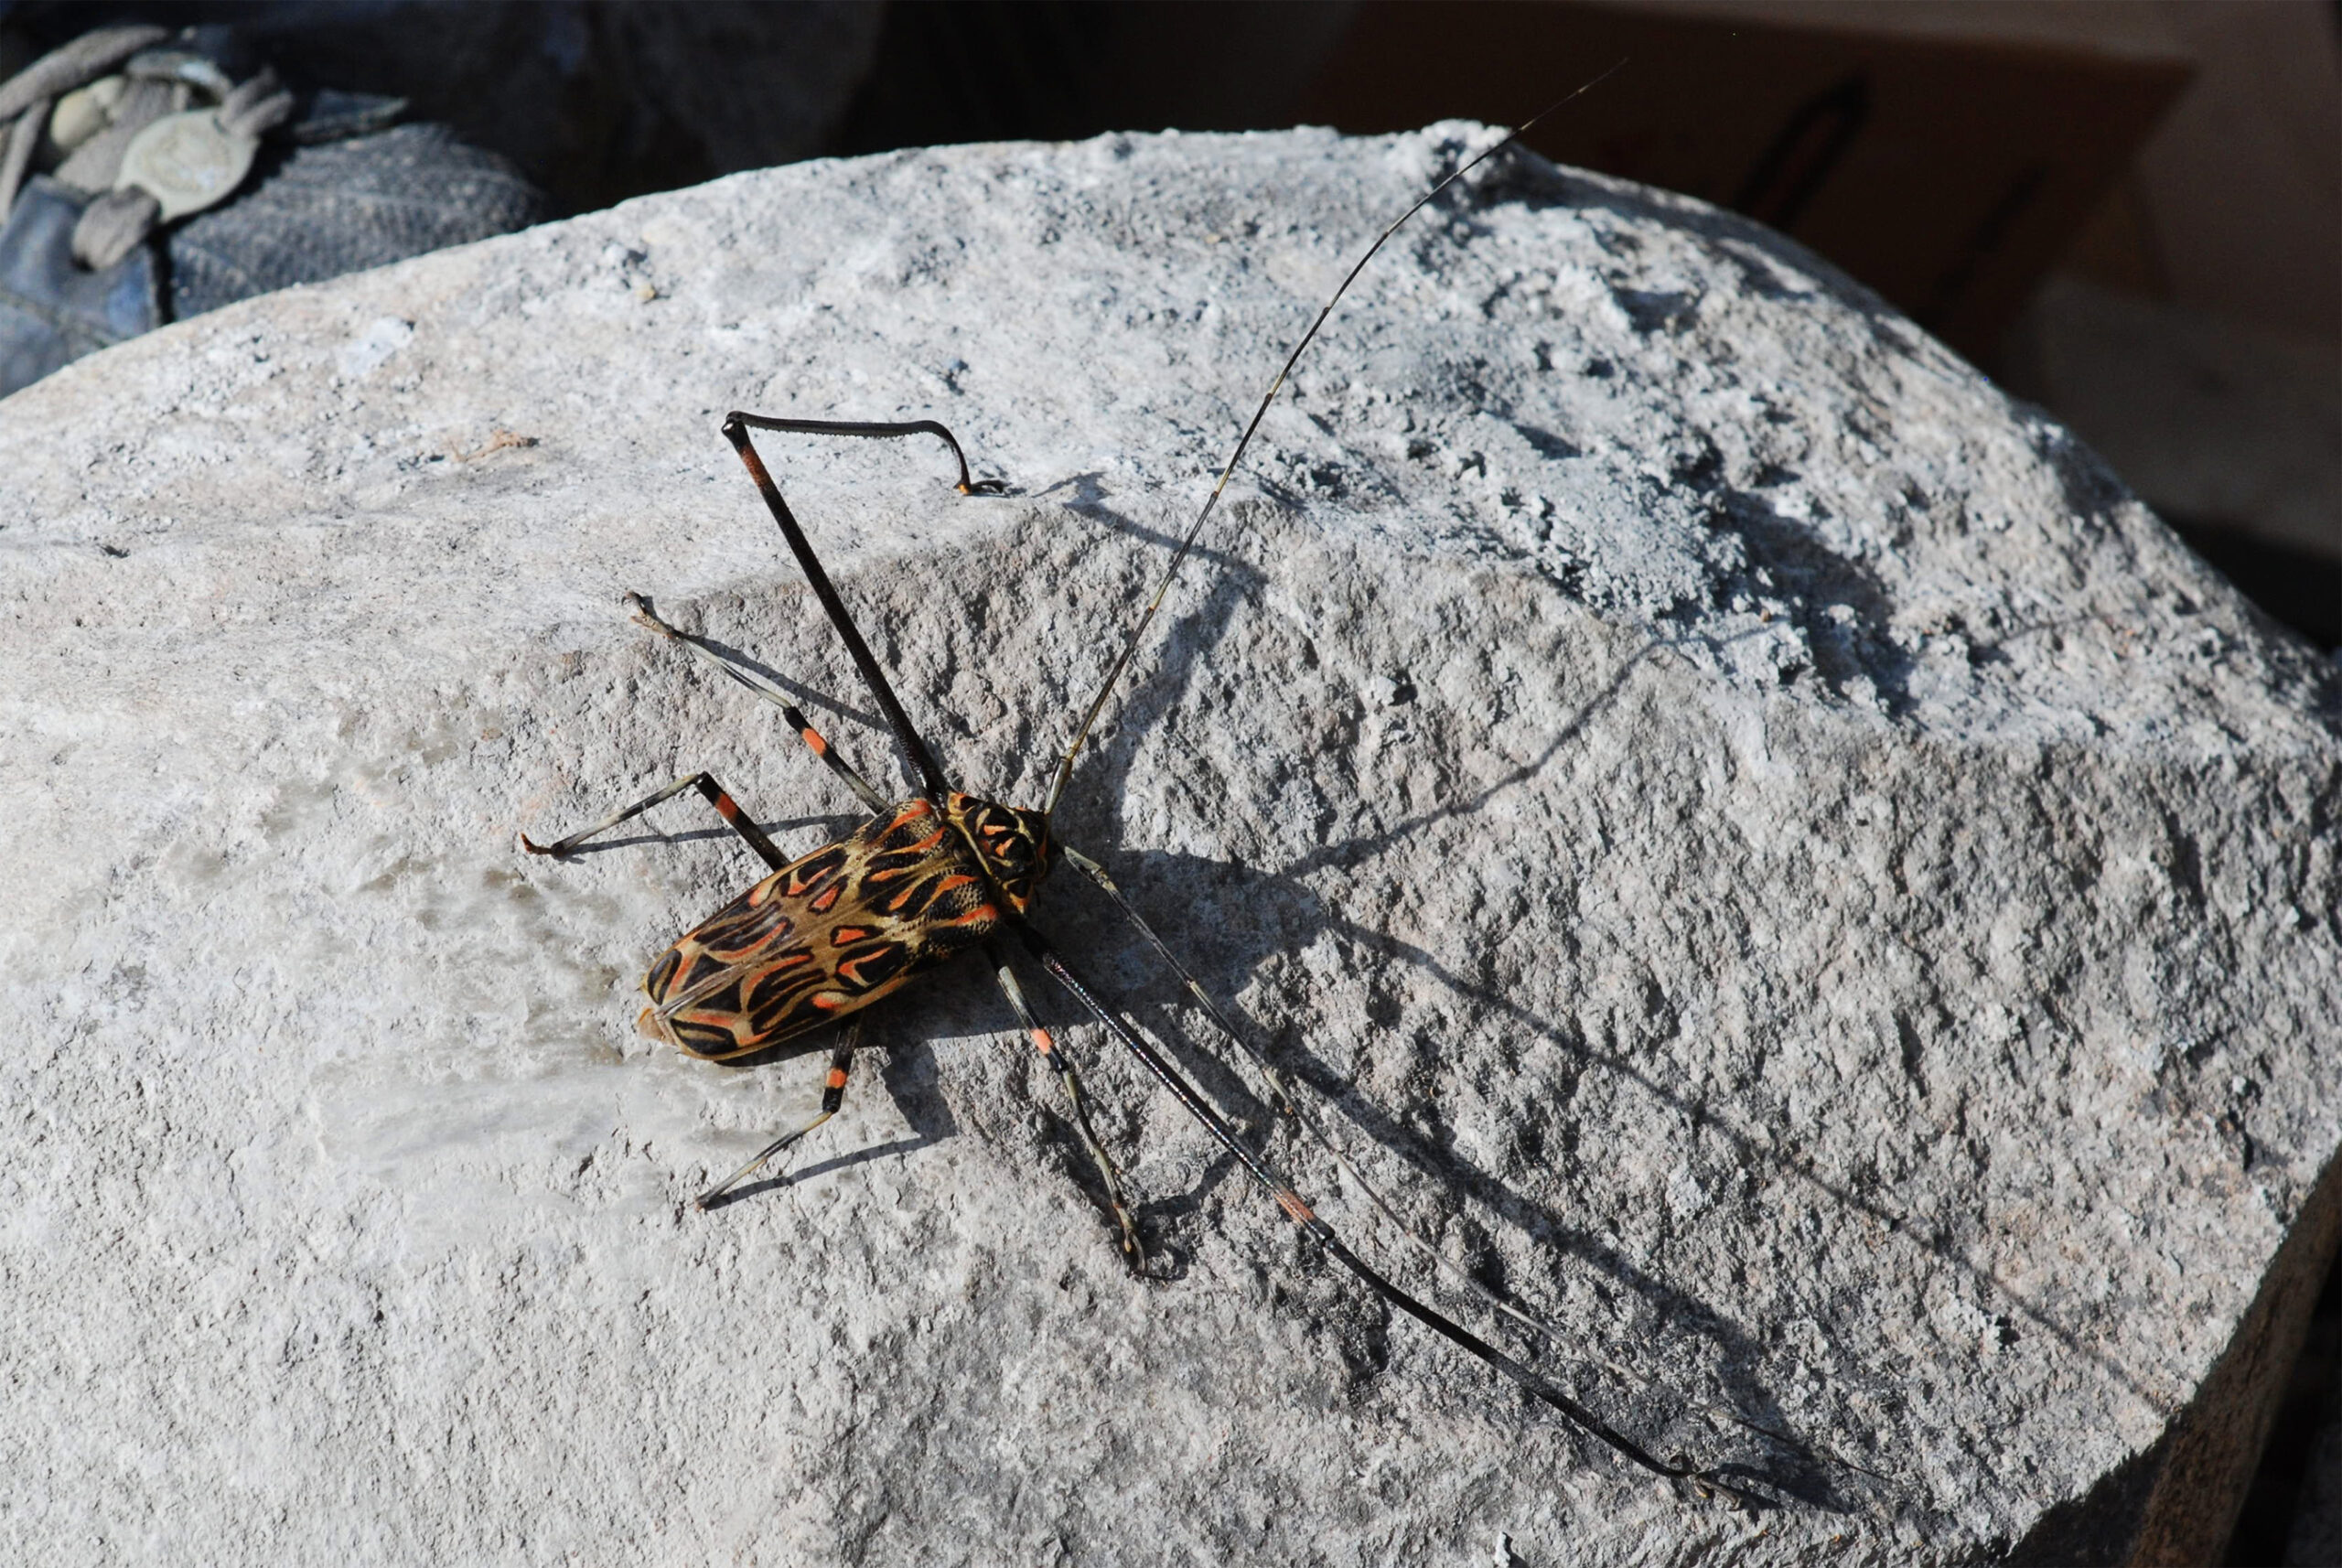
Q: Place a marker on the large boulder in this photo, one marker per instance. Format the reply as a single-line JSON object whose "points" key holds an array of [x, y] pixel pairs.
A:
{"points": [[1758, 845]]}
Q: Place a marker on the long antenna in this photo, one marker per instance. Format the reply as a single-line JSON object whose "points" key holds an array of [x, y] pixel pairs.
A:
{"points": [[1196, 529]]}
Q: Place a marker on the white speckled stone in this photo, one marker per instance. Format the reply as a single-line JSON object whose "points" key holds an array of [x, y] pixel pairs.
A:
{"points": [[1759, 843]]}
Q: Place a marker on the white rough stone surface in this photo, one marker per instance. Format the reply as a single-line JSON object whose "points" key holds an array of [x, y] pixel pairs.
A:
{"points": [[1771, 852]]}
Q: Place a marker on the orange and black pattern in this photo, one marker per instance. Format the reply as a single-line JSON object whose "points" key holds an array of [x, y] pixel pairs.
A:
{"points": [[830, 934], [1011, 843]]}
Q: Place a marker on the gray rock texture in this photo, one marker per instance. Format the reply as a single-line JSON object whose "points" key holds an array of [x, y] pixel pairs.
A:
{"points": [[1758, 844]]}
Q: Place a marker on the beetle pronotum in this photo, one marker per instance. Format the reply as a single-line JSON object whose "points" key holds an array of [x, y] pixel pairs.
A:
{"points": [[944, 872]]}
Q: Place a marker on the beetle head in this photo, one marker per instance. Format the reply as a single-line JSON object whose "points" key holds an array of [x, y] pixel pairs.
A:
{"points": [[1012, 842]]}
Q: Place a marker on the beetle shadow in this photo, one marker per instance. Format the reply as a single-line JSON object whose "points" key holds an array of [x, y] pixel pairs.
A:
{"points": [[1280, 901], [811, 696], [1183, 644], [1796, 1466], [1793, 1467]]}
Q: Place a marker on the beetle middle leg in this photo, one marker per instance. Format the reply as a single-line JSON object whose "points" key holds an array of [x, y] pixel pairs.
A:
{"points": [[1133, 1253], [833, 1097], [712, 792], [644, 615]]}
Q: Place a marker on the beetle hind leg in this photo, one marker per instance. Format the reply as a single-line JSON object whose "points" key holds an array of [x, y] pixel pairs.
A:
{"points": [[1133, 1251]]}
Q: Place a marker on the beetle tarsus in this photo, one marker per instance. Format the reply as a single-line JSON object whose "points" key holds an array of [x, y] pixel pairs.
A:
{"points": [[645, 615]]}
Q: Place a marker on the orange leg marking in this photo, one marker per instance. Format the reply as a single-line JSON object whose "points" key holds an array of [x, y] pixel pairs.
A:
{"points": [[756, 465]]}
